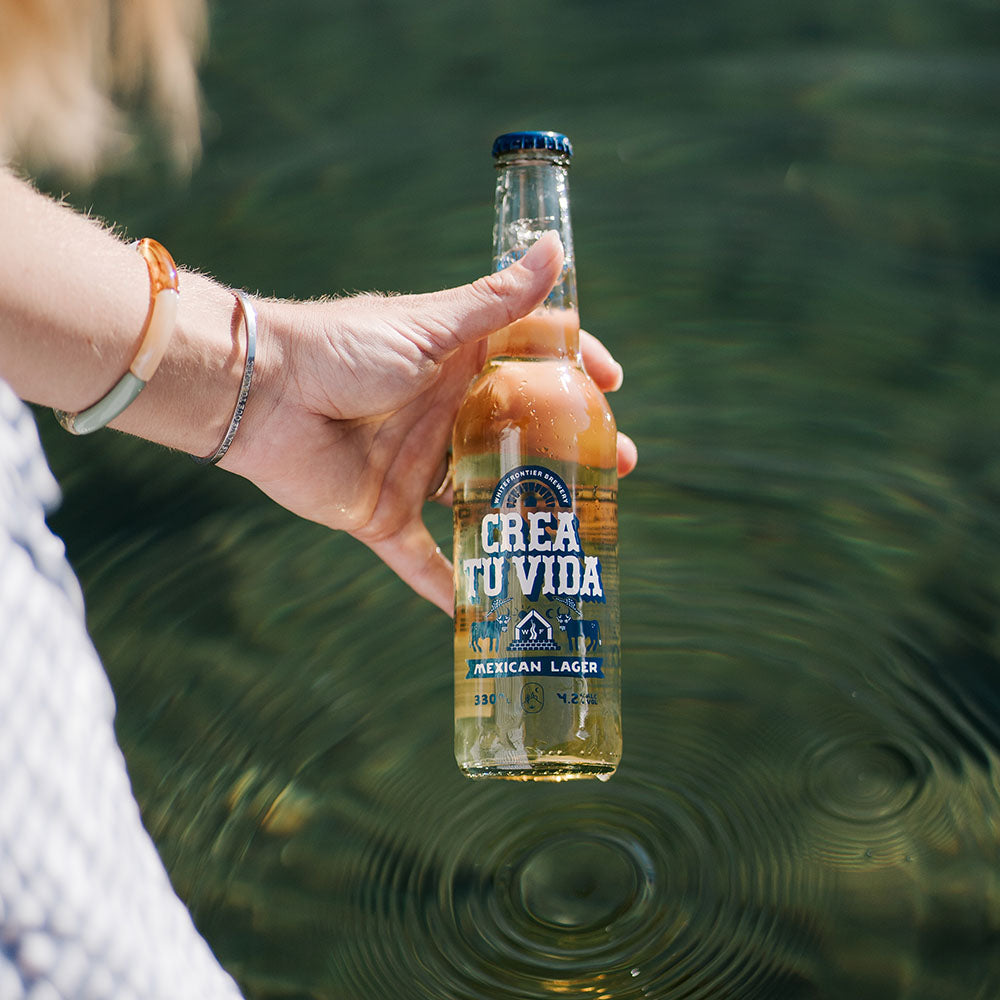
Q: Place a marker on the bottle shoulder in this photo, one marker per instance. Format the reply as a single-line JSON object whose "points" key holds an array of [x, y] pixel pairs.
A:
{"points": [[517, 383], [551, 406]]}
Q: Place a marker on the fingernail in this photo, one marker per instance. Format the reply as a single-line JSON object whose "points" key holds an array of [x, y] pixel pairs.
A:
{"points": [[619, 377], [542, 251]]}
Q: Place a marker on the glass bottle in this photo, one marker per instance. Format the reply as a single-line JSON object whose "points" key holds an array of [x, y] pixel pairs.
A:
{"points": [[537, 643]]}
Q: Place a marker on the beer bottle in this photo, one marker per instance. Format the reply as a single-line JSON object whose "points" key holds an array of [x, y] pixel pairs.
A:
{"points": [[537, 644]]}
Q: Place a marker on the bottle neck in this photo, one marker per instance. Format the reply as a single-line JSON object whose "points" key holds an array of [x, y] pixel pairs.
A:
{"points": [[532, 197]]}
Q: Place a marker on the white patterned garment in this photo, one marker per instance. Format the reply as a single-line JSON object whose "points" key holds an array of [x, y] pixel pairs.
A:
{"points": [[86, 909]]}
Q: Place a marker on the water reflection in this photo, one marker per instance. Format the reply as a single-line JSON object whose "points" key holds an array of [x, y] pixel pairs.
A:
{"points": [[794, 253]]}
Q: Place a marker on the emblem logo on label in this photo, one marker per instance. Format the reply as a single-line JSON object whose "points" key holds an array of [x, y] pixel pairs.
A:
{"points": [[532, 486], [532, 697], [533, 632]]}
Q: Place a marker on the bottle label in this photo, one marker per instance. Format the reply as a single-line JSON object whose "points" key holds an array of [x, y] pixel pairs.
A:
{"points": [[530, 565], [530, 542]]}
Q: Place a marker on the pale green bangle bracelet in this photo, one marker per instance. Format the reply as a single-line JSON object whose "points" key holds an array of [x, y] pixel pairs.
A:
{"points": [[163, 294]]}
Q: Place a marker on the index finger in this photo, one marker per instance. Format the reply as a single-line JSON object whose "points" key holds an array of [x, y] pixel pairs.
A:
{"points": [[600, 364]]}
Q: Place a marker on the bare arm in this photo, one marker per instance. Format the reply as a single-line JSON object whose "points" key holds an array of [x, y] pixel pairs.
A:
{"points": [[353, 399], [73, 298]]}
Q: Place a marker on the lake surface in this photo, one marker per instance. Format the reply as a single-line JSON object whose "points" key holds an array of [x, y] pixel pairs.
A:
{"points": [[788, 231]]}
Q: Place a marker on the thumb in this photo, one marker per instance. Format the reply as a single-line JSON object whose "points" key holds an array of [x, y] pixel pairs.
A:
{"points": [[490, 303]]}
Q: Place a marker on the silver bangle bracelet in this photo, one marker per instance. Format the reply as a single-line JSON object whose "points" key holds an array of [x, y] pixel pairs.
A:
{"points": [[250, 322]]}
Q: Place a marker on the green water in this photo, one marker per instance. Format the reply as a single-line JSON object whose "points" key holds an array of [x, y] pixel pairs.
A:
{"points": [[787, 229]]}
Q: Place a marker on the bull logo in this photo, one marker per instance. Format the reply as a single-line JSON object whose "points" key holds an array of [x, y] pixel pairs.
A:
{"points": [[588, 629], [487, 629]]}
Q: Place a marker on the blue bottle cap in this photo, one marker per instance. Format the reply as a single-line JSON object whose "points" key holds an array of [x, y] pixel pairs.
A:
{"points": [[513, 141]]}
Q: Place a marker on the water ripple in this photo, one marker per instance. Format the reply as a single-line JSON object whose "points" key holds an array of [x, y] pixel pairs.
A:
{"points": [[792, 785], [638, 889]]}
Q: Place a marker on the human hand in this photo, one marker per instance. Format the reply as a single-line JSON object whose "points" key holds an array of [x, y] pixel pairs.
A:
{"points": [[354, 400]]}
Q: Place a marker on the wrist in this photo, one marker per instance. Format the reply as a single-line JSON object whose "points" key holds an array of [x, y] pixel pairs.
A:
{"points": [[266, 388], [189, 401]]}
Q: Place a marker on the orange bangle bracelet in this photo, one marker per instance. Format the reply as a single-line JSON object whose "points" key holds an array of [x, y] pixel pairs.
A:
{"points": [[160, 323]]}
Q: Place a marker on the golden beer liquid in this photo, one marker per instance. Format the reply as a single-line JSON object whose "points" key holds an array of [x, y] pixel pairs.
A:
{"points": [[533, 405]]}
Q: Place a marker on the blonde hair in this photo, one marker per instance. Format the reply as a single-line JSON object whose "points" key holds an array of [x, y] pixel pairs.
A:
{"points": [[74, 72]]}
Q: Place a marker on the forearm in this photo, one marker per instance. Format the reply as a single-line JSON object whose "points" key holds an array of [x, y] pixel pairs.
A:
{"points": [[73, 302]]}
